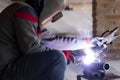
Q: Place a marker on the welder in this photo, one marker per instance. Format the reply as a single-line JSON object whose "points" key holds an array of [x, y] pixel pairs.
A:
{"points": [[22, 55]]}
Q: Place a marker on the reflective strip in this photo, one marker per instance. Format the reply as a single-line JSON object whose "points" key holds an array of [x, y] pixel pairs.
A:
{"points": [[26, 16]]}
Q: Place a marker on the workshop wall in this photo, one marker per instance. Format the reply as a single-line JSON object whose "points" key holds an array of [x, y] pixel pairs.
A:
{"points": [[107, 16], [78, 4], [77, 20], [73, 20]]}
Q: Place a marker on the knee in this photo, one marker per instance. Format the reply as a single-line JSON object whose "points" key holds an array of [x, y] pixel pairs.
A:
{"points": [[58, 58]]}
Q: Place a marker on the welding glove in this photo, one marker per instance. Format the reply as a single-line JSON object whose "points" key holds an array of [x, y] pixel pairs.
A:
{"points": [[99, 46], [97, 41], [63, 43], [74, 56], [69, 57]]}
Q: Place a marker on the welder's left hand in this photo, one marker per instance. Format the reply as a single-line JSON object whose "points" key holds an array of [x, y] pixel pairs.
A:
{"points": [[97, 41], [99, 46]]}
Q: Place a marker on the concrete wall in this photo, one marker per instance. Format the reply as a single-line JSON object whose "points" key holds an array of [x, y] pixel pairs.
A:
{"points": [[77, 21], [80, 4]]}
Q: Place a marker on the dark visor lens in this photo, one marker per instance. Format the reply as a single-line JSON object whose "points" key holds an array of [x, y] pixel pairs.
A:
{"points": [[56, 17]]}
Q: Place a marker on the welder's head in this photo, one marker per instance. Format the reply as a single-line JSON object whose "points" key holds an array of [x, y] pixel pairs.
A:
{"points": [[48, 10]]}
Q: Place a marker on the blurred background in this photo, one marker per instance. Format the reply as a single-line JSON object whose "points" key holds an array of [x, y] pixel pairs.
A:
{"points": [[87, 18]]}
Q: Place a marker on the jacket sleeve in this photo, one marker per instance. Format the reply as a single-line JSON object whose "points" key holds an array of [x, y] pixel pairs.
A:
{"points": [[64, 42], [25, 26]]}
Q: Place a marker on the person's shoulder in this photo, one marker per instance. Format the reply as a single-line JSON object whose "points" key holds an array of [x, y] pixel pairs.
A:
{"points": [[26, 12], [14, 6], [26, 8]]}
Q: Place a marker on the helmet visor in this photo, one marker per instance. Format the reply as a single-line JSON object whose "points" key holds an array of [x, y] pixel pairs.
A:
{"points": [[56, 17]]}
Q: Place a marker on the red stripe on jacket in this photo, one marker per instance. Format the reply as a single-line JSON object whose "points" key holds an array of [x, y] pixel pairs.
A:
{"points": [[26, 16]]}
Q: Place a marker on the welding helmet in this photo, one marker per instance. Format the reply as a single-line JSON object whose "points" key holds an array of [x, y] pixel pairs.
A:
{"points": [[47, 10], [52, 10]]}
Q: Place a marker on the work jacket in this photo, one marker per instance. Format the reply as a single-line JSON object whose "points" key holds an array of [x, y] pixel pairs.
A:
{"points": [[18, 33]]}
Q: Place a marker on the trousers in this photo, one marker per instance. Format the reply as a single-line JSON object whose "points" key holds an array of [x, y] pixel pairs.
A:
{"points": [[48, 65]]}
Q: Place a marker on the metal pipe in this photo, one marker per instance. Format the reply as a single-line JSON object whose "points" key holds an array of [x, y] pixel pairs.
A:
{"points": [[100, 66], [97, 66]]}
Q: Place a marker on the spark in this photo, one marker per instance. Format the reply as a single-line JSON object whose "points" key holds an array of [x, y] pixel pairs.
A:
{"points": [[89, 57]]}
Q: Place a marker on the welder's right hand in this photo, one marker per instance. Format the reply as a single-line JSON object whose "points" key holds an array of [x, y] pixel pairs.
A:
{"points": [[74, 56], [69, 57]]}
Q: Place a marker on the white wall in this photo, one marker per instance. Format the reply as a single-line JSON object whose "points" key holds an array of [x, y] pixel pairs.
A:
{"points": [[78, 21], [74, 22], [4, 3]]}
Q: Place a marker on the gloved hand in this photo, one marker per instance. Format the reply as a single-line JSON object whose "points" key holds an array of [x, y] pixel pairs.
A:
{"points": [[74, 56], [97, 41], [99, 46], [69, 57]]}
